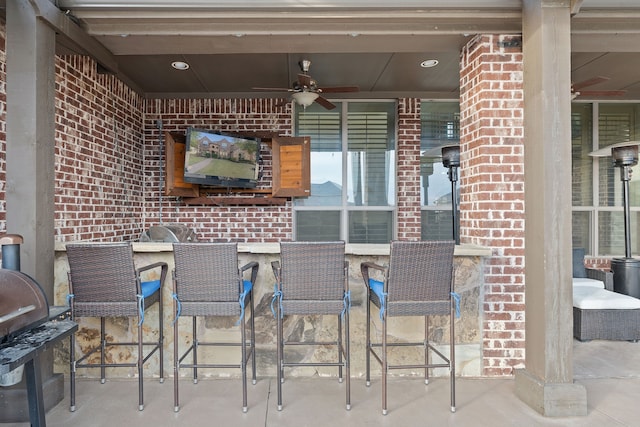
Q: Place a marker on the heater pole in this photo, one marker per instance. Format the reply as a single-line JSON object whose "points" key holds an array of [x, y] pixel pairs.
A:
{"points": [[453, 177], [625, 176], [451, 160]]}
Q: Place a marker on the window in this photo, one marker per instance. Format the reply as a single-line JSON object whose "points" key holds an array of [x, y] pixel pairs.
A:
{"points": [[352, 173], [598, 218], [440, 122]]}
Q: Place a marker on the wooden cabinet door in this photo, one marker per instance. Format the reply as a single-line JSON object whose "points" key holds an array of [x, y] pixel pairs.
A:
{"points": [[291, 166], [174, 148]]}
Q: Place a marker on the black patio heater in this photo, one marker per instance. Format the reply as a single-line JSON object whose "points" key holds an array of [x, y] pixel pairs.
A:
{"points": [[451, 160], [626, 271]]}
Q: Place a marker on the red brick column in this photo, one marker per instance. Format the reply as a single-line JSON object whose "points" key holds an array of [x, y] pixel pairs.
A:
{"points": [[408, 173], [492, 190]]}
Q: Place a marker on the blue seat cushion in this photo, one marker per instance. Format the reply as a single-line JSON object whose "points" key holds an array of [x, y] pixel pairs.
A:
{"points": [[148, 288], [377, 287], [247, 286]]}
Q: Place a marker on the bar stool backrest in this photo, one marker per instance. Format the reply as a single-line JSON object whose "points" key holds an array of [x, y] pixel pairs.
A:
{"points": [[312, 270], [102, 272], [420, 271], [207, 271]]}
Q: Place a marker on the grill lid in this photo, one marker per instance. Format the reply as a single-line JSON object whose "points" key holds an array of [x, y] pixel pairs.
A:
{"points": [[173, 233], [23, 304]]}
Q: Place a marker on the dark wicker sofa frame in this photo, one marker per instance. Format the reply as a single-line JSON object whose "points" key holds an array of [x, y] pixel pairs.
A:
{"points": [[606, 324]]}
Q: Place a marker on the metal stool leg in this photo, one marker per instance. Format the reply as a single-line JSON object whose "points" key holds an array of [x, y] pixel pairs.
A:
{"points": [[195, 349], [161, 336], [340, 349], [140, 368], [368, 343], [426, 349], [72, 372], [253, 341], [243, 362], [384, 364], [452, 360], [103, 349], [280, 356], [176, 364], [347, 359]]}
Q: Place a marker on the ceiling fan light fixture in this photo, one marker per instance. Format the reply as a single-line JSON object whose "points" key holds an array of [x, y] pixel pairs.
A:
{"points": [[304, 98], [180, 65]]}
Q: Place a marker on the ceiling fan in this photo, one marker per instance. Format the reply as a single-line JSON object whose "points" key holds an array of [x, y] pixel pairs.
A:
{"points": [[305, 90], [576, 88]]}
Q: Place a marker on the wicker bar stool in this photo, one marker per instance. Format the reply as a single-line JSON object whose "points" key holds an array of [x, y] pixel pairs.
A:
{"points": [[417, 282], [103, 282], [208, 282], [311, 279]]}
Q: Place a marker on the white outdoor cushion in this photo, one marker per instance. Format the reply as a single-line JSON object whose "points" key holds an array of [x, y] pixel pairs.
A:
{"points": [[585, 281], [591, 298]]}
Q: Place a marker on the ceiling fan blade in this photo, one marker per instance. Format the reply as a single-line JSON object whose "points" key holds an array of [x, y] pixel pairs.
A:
{"points": [[589, 82], [325, 103], [602, 92], [304, 80], [338, 89], [273, 89]]}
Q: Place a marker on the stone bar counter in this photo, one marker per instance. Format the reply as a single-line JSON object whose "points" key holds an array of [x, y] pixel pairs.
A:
{"points": [[469, 281]]}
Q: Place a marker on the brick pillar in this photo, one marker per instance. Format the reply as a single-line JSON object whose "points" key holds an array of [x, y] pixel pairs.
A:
{"points": [[408, 185], [492, 190]]}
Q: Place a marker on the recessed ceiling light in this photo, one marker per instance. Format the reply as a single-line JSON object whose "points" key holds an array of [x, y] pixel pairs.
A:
{"points": [[428, 63], [180, 65]]}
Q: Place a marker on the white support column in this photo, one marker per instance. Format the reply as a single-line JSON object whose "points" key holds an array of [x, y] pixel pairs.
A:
{"points": [[31, 139], [30, 126], [546, 384]]}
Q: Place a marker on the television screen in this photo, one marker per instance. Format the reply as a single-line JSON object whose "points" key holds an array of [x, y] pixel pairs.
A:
{"points": [[221, 160]]}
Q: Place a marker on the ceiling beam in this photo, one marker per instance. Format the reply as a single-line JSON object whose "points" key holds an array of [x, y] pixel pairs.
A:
{"points": [[66, 27], [209, 45], [207, 22], [288, 4], [575, 6]]}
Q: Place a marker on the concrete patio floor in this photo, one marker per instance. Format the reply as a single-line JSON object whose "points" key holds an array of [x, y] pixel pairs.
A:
{"points": [[609, 370]]}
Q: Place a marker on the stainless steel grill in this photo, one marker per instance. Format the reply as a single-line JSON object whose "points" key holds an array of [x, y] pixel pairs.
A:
{"points": [[173, 233]]}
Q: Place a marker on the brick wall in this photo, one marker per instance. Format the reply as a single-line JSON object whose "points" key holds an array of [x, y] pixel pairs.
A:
{"points": [[408, 167], [3, 129], [492, 191], [100, 190], [241, 223], [259, 223]]}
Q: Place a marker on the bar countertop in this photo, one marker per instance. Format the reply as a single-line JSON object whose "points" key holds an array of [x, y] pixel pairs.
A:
{"points": [[274, 248]]}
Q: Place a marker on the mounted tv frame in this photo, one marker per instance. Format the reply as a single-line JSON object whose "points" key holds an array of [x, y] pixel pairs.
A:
{"points": [[218, 159]]}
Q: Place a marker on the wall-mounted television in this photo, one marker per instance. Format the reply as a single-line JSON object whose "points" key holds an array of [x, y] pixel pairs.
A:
{"points": [[221, 160]]}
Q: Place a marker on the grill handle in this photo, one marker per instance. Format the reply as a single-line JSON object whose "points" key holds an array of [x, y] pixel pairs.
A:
{"points": [[15, 313]]}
